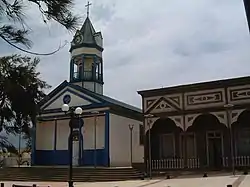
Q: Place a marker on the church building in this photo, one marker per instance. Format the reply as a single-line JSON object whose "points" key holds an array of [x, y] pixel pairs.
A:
{"points": [[197, 126], [109, 125]]}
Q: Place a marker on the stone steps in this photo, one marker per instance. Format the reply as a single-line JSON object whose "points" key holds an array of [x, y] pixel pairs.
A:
{"points": [[61, 174]]}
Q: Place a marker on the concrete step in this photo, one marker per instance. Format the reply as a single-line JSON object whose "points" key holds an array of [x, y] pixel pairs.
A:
{"points": [[61, 174]]}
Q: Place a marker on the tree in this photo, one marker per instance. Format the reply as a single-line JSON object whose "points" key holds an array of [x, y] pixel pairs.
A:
{"points": [[20, 91], [17, 32]]}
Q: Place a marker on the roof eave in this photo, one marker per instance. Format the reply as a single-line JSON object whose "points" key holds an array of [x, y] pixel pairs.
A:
{"points": [[197, 86]]}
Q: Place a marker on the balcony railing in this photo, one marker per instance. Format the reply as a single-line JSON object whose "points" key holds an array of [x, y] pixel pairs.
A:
{"points": [[87, 75]]}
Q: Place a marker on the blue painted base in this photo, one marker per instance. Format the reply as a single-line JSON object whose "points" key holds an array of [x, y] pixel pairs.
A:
{"points": [[61, 157]]}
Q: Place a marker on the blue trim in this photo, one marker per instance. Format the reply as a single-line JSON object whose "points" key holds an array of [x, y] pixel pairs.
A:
{"points": [[33, 145], [61, 157], [107, 138], [55, 135], [70, 91]]}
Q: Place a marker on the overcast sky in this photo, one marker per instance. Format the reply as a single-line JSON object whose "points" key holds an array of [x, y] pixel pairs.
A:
{"points": [[152, 43]]}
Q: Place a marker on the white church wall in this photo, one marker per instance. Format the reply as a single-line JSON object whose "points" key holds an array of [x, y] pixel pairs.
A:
{"points": [[45, 135], [120, 141], [62, 134], [88, 133]]}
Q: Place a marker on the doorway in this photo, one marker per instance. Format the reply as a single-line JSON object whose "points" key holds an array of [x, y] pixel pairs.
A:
{"points": [[75, 153], [214, 149]]}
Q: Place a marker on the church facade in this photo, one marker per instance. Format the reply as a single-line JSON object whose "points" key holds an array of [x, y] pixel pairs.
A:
{"points": [[106, 137], [197, 126]]}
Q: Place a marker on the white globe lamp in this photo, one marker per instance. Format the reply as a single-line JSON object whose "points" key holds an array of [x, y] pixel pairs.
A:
{"points": [[65, 108], [78, 111]]}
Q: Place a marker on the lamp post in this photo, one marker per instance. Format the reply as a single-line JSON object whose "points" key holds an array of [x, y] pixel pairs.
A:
{"points": [[95, 115], [149, 145], [228, 108], [131, 126], [73, 113]]}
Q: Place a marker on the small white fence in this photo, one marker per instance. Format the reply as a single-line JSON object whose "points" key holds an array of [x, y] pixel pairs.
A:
{"points": [[194, 163], [175, 163], [239, 161]]}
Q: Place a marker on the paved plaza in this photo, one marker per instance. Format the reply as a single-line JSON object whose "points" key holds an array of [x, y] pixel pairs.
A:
{"points": [[219, 181]]}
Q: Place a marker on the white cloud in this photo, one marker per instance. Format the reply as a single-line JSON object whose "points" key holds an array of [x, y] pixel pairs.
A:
{"points": [[154, 43]]}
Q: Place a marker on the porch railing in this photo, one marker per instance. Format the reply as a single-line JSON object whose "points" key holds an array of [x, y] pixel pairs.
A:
{"points": [[193, 163], [175, 163], [239, 161], [242, 161]]}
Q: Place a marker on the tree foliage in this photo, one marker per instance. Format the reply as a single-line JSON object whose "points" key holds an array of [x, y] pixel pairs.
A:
{"points": [[20, 91], [14, 29]]}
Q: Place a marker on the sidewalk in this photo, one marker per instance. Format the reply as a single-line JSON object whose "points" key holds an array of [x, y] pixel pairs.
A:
{"points": [[245, 182], [218, 181]]}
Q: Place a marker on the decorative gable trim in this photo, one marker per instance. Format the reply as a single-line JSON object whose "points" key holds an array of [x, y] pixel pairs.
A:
{"points": [[163, 104], [70, 91]]}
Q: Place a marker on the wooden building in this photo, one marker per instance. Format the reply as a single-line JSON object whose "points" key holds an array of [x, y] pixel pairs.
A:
{"points": [[202, 125]]}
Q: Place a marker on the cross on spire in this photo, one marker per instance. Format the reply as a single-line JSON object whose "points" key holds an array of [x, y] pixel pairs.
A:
{"points": [[88, 5]]}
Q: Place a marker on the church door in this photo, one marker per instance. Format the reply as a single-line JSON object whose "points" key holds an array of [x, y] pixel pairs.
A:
{"points": [[75, 153]]}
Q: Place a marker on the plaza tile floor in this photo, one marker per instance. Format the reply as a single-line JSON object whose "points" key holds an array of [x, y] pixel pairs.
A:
{"points": [[220, 181]]}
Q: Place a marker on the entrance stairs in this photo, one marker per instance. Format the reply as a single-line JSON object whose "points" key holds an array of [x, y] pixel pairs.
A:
{"points": [[57, 174]]}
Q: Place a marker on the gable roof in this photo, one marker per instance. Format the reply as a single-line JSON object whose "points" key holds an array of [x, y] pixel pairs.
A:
{"points": [[113, 103]]}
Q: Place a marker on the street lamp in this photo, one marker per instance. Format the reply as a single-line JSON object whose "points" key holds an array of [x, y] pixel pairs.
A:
{"points": [[95, 115], [149, 145], [131, 126], [72, 123], [228, 108]]}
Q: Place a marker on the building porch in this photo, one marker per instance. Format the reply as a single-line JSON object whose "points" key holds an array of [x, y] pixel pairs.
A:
{"points": [[206, 145]]}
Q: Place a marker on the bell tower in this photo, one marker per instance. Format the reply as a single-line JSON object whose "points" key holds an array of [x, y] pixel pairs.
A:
{"points": [[86, 65]]}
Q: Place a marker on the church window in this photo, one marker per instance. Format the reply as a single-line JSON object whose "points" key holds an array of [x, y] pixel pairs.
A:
{"points": [[77, 67]]}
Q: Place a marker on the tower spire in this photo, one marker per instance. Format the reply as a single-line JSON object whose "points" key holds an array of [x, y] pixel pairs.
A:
{"points": [[88, 5]]}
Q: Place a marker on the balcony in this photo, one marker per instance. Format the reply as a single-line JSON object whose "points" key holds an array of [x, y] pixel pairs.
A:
{"points": [[87, 76]]}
